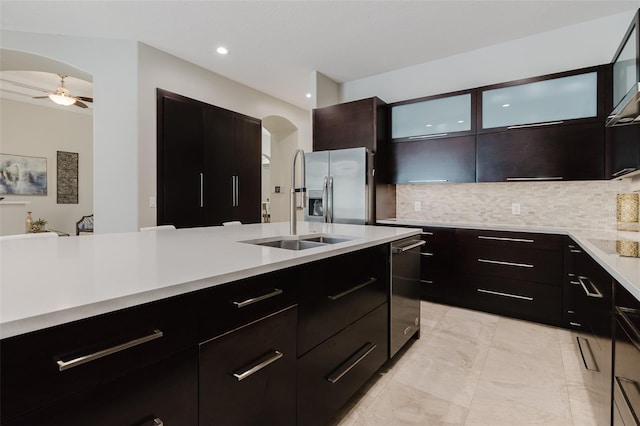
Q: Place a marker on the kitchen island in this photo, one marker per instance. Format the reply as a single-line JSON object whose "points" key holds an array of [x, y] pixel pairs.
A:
{"points": [[114, 327]]}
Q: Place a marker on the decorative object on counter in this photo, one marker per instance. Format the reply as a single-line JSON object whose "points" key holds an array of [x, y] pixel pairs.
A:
{"points": [[628, 248], [28, 222], [38, 225], [67, 174], [627, 211], [22, 175]]}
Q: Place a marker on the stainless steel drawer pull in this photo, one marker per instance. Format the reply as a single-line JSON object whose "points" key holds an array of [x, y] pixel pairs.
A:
{"points": [[575, 251], [352, 289], [407, 330], [516, 240], [584, 282], [526, 126], [627, 325], [587, 355], [498, 293], [247, 302], [426, 254], [201, 189], [574, 282], [536, 178], [261, 363], [428, 181], [427, 281], [157, 422], [65, 365], [350, 363], [575, 324], [397, 250], [630, 390], [435, 135], [426, 233], [500, 262], [624, 171]]}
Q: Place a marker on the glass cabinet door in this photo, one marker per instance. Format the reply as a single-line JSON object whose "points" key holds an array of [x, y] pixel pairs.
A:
{"points": [[432, 117], [546, 101], [625, 68]]}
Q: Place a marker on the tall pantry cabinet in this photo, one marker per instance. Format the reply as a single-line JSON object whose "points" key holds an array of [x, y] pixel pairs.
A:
{"points": [[208, 165]]}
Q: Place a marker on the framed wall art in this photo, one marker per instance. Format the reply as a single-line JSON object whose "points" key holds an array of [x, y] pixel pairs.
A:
{"points": [[22, 175], [67, 173]]}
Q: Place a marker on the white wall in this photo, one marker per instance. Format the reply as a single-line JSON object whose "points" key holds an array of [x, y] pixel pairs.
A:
{"points": [[113, 64], [577, 46], [41, 131], [159, 69]]}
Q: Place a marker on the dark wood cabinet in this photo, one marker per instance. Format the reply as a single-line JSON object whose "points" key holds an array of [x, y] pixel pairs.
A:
{"points": [[209, 163], [248, 376], [547, 153], [433, 161], [624, 150], [438, 282]]}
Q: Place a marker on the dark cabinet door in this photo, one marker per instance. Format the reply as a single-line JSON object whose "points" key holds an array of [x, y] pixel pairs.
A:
{"points": [[217, 154], [624, 142], [163, 393], [248, 165], [248, 376], [433, 161], [180, 164], [550, 153]]}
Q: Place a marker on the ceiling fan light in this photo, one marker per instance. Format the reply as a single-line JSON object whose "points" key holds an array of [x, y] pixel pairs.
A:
{"points": [[62, 100]]}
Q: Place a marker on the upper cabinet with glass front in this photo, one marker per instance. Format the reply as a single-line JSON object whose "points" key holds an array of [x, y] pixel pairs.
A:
{"points": [[432, 117], [564, 98]]}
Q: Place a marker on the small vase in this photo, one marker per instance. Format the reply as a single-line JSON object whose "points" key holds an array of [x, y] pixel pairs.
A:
{"points": [[28, 223]]}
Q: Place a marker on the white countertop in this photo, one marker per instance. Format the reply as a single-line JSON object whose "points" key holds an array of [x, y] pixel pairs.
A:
{"points": [[626, 270], [51, 281]]}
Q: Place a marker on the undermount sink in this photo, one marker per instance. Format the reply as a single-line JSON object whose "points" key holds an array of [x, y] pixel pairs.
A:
{"points": [[299, 242]]}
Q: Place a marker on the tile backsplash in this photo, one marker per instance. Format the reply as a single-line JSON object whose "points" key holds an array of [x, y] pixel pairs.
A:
{"points": [[582, 204]]}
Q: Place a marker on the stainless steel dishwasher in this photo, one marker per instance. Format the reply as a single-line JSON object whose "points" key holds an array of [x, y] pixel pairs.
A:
{"points": [[404, 315]]}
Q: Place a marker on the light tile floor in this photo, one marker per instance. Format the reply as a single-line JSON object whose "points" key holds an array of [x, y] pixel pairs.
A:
{"points": [[473, 368]]}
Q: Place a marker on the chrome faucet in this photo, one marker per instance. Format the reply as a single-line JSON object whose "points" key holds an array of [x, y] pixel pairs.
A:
{"points": [[302, 189]]}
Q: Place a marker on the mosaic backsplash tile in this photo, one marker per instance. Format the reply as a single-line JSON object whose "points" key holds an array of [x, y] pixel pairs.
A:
{"points": [[583, 204]]}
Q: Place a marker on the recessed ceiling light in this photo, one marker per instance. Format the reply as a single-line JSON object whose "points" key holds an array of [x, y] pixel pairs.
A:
{"points": [[428, 125], [460, 121], [308, 95], [506, 105], [222, 50]]}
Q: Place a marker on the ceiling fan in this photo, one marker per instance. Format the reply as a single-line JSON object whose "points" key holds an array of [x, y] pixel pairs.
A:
{"points": [[62, 96]]}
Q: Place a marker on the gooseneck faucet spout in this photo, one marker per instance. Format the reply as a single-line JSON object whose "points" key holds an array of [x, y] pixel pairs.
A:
{"points": [[302, 189]]}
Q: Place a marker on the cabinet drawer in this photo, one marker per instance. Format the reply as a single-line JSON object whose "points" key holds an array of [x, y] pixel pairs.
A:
{"points": [[164, 392], [509, 240], [338, 291], [520, 299], [517, 263], [331, 373], [248, 376], [228, 306], [46, 365]]}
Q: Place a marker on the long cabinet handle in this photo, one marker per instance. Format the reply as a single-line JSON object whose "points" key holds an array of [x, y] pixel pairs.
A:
{"points": [[398, 250], [275, 292], [426, 233], [427, 254], [627, 325], [513, 240], [427, 281], [428, 180], [501, 262], [527, 126], [499, 293], [535, 178], [325, 200], [584, 282], [233, 191], [201, 189], [350, 363], [259, 364], [237, 191], [353, 289], [588, 359], [435, 135], [624, 171], [630, 390], [65, 365]]}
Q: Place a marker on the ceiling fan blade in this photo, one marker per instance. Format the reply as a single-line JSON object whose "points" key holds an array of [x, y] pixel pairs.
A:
{"points": [[84, 98], [26, 86], [80, 104], [39, 97]]}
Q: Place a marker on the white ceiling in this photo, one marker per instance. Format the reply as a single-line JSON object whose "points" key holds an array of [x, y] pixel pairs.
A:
{"points": [[275, 45]]}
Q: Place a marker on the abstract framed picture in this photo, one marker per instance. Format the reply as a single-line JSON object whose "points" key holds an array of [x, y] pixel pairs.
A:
{"points": [[67, 184], [22, 175]]}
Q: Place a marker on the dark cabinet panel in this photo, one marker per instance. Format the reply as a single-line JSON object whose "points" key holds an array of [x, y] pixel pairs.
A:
{"points": [[624, 145], [550, 153], [433, 161], [163, 393], [217, 153], [331, 373], [248, 163], [248, 376]]}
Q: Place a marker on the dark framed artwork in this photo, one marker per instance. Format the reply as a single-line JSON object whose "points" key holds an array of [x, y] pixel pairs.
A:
{"points": [[23, 175], [67, 183]]}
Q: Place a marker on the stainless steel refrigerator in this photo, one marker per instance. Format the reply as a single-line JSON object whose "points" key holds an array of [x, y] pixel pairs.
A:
{"points": [[340, 186]]}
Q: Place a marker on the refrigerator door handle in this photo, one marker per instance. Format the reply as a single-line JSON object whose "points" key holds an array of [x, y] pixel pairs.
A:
{"points": [[330, 196], [325, 199]]}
